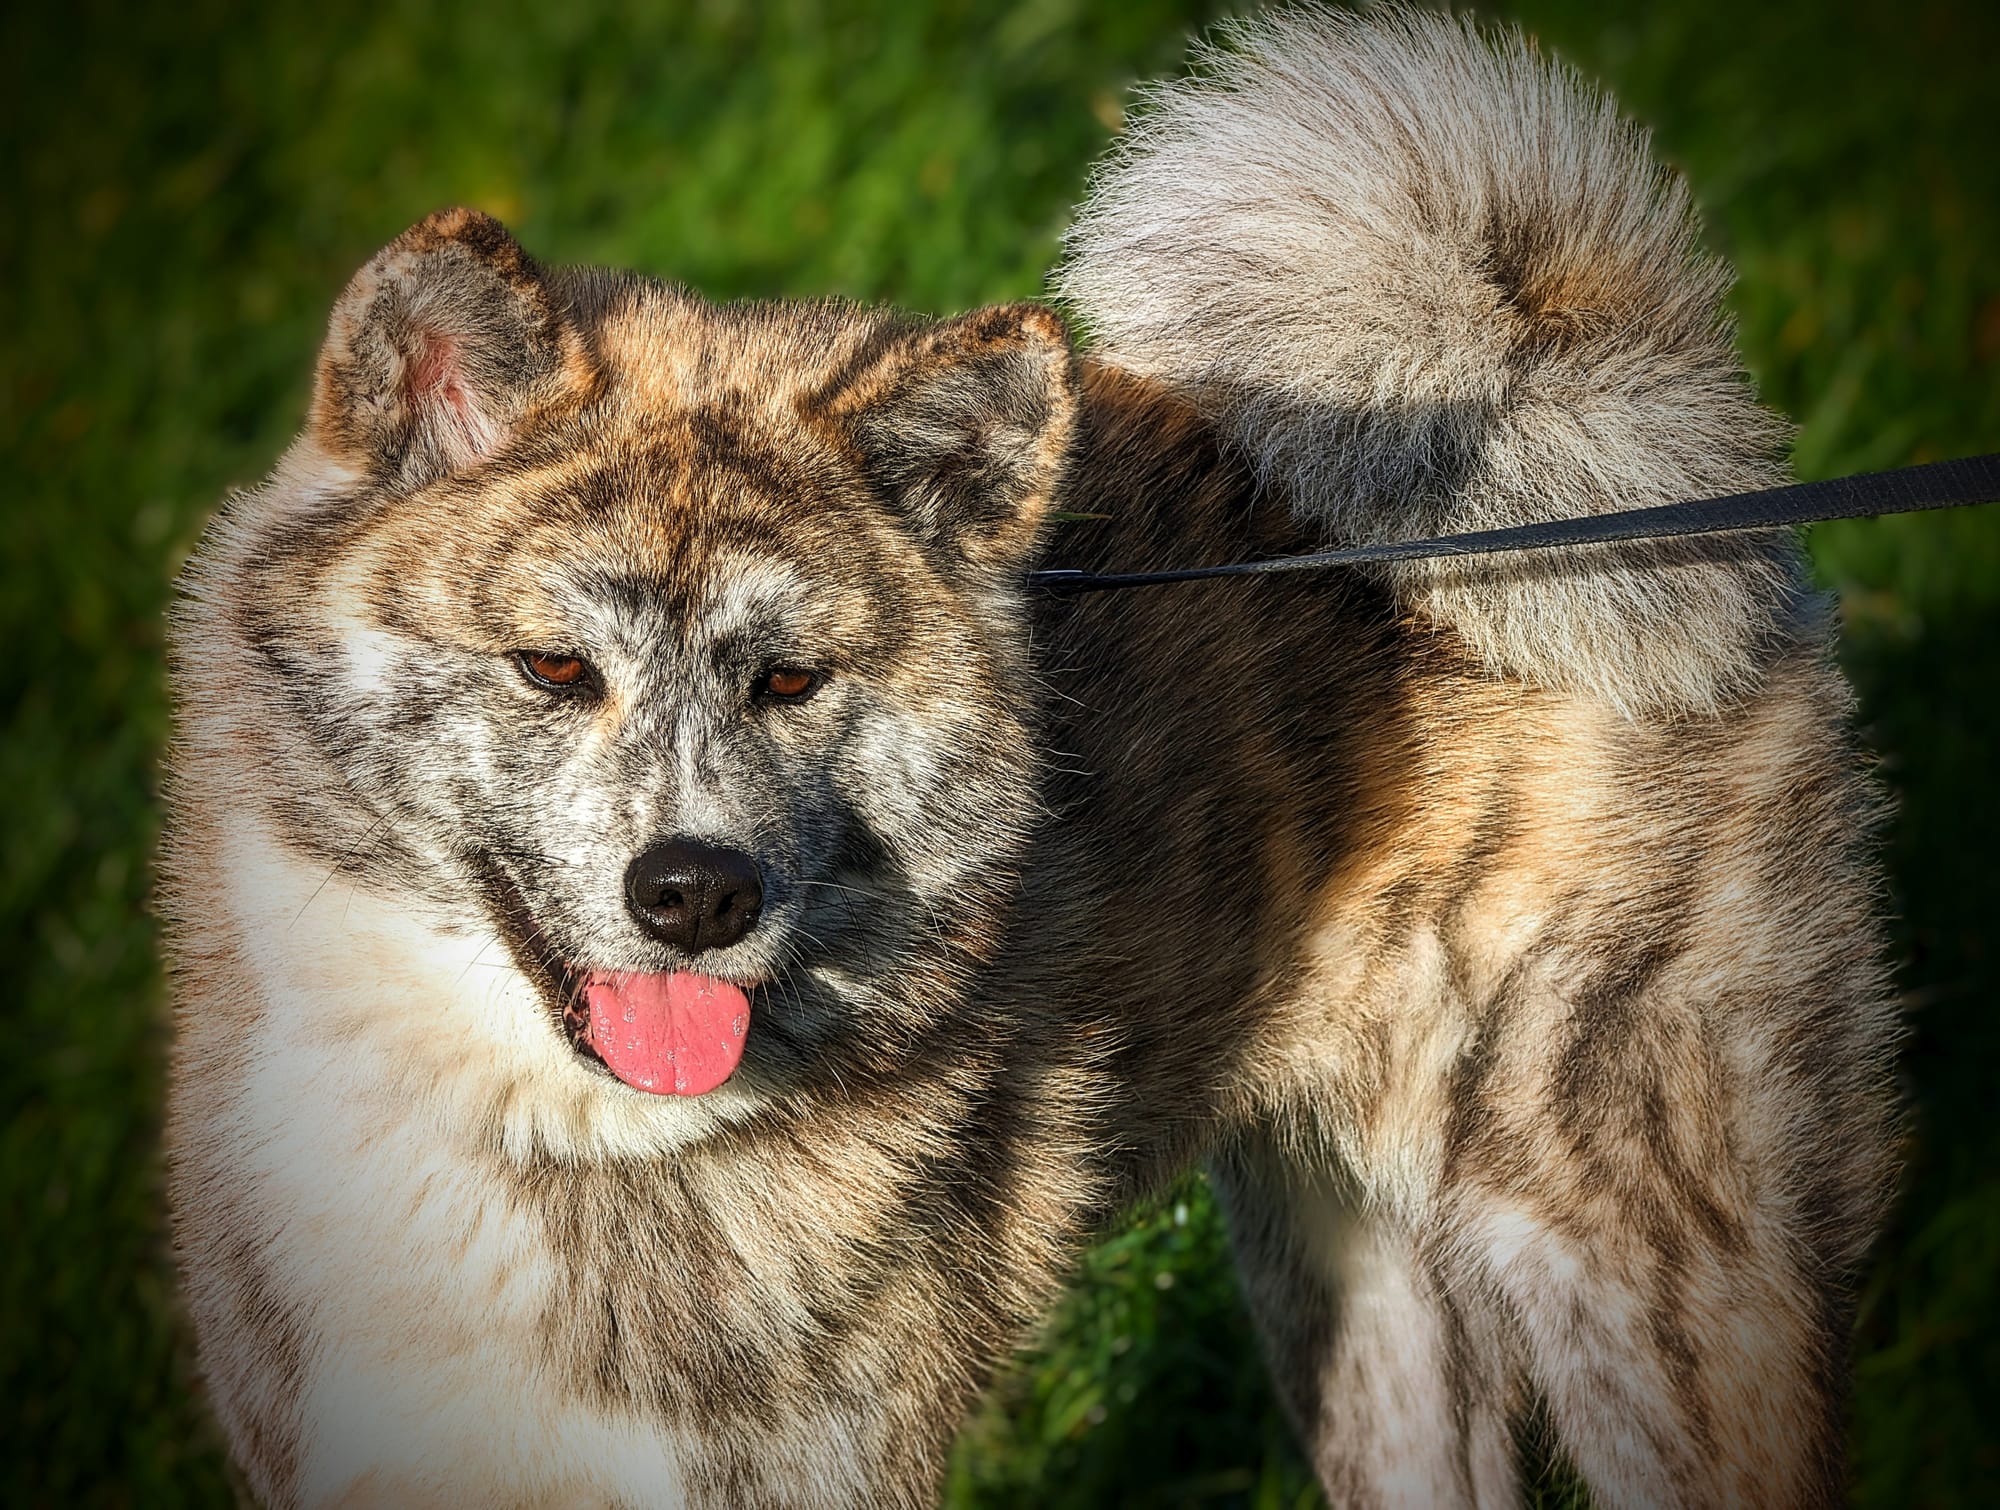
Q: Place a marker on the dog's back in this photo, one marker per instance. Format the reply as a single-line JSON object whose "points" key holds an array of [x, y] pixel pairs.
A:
{"points": [[1561, 1071]]}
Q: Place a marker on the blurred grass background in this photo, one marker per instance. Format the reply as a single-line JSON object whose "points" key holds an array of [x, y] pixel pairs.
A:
{"points": [[186, 191]]}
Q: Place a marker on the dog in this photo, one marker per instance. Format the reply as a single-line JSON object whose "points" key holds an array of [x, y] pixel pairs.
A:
{"points": [[674, 946]]}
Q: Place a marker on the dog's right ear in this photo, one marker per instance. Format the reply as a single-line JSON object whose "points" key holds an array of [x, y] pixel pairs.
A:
{"points": [[439, 350]]}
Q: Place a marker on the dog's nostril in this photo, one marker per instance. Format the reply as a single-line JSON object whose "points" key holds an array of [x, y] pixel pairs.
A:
{"points": [[694, 895]]}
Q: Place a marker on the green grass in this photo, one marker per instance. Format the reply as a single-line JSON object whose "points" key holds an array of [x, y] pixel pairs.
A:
{"points": [[190, 189]]}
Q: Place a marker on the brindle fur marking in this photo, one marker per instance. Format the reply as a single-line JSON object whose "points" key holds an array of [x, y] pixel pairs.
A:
{"points": [[1534, 1024]]}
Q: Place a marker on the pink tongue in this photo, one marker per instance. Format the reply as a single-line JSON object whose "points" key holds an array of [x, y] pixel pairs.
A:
{"points": [[680, 1033]]}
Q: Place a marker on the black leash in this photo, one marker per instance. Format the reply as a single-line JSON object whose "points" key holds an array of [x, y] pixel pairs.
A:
{"points": [[1934, 485]]}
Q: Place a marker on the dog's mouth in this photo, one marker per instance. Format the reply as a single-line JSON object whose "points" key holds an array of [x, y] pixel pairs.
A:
{"points": [[674, 1032], [669, 1032]]}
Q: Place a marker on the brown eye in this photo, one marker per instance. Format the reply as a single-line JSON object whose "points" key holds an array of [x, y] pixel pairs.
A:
{"points": [[789, 685], [550, 670]]}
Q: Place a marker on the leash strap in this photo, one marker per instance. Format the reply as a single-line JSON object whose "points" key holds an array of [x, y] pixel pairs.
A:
{"points": [[1906, 490]]}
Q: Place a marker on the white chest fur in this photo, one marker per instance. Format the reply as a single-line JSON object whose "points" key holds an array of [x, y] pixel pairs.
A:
{"points": [[387, 1064]]}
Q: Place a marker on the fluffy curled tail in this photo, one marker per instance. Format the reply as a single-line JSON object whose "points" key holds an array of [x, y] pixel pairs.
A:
{"points": [[1431, 281]]}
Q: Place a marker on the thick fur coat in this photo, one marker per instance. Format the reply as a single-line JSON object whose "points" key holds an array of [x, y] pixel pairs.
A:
{"points": [[1504, 934]]}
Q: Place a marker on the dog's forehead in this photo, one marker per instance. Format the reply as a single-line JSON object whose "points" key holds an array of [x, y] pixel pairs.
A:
{"points": [[662, 348], [711, 433], [692, 536], [703, 489]]}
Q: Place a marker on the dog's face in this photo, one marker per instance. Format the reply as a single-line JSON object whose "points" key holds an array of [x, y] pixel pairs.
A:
{"points": [[676, 645]]}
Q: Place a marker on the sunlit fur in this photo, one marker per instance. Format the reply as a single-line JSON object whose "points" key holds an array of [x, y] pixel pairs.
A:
{"points": [[1506, 940], [1433, 285]]}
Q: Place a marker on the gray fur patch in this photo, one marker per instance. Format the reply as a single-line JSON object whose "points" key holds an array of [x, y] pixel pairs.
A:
{"points": [[1433, 281]]}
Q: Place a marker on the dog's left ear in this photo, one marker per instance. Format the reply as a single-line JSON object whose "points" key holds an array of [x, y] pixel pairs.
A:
{"points": [[967, 426]]}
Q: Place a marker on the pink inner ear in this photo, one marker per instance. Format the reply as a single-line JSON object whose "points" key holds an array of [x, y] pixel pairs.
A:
{"points": [[434, 372], [438, 392]]}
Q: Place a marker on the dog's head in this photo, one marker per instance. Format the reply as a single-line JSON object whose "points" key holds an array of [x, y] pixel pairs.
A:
{"points": [[678, 644]]}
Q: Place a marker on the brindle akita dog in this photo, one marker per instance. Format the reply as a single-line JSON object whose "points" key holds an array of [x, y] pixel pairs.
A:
{"points": [[674, 948]]}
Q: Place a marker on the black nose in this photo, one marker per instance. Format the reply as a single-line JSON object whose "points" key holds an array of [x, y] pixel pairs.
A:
{"points": [[694, 895]]}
